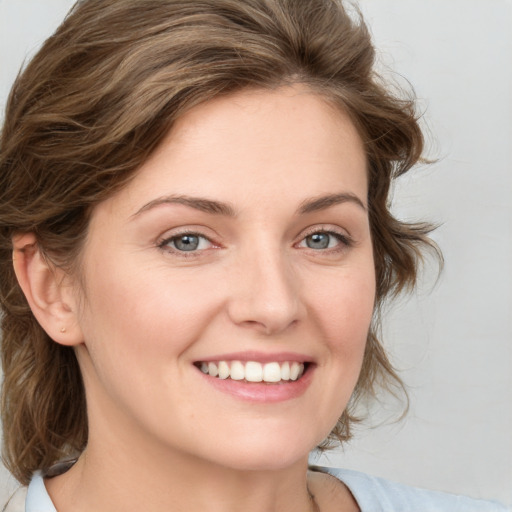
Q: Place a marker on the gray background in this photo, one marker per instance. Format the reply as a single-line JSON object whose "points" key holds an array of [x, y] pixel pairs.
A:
{"points": [[452, 339]]}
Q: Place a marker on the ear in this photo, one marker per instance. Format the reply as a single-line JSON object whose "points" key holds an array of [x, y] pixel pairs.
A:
{"points": [[48, 291]]}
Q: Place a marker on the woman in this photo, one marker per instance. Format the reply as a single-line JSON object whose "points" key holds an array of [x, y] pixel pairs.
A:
{"points": [[195, 240]]}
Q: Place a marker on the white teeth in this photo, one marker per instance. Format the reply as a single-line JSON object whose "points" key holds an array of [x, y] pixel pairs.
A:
{"points": [[253, 371], [294, 371], [223, 370], [272, 372], [285, 371], [237, 371], [213, 370]]}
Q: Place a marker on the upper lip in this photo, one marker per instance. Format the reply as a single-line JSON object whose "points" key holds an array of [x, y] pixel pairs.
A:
{"points": [[261, 357]]}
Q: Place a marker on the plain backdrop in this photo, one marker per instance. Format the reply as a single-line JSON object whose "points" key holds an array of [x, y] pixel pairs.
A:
{"points": [[452, 340]]}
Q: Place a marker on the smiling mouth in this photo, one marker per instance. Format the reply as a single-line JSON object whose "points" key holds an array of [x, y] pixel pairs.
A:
{"points": [[253, 371]]}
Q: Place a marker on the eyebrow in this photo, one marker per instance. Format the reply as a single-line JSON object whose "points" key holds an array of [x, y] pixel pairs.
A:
{"points": [[324, 202], [198, 203], [220, 208]]}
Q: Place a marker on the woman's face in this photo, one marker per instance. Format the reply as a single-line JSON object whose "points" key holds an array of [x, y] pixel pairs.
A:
{"points": [[242, 246]]}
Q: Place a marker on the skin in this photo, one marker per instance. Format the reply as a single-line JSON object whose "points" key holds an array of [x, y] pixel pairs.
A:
{"points": [[143, 312]]}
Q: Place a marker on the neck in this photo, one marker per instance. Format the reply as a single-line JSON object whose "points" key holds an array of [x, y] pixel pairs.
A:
{"points": [[131, 480], [126, 467]]}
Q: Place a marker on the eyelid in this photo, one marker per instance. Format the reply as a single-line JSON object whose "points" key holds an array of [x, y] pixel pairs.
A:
{"points": [[165, 239], [190, 229], [326, 228], [342, 235]]}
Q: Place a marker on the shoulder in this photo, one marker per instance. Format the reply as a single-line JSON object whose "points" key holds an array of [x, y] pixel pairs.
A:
{"points": [[375, 494]]}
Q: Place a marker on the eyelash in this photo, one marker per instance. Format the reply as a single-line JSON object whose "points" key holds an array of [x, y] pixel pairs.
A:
{"points": [[164, 244], [344, 240]]}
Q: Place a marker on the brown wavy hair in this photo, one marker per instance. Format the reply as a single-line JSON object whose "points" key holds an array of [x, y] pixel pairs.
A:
{"points": [[94, 103]]}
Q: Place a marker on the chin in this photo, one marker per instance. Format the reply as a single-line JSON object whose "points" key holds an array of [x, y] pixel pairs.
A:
{"points": [[269, 461], [266, 453]]}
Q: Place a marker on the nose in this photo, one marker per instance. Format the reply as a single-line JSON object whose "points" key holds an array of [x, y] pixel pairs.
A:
{"points": [[264, 292]]}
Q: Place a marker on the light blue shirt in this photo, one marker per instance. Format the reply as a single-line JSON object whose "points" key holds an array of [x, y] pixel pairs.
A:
{"points": [[38, 499], [371, 493]]}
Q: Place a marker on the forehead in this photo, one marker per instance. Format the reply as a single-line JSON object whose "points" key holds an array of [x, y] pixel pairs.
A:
{"points": [[257, 143]]}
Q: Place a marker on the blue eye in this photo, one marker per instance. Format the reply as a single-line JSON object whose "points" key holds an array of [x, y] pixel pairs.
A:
{"points": [[318, 240], [322, 240], [187, 242]]}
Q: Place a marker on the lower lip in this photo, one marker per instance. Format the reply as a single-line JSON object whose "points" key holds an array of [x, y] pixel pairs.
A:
{"points": [[260, 391]]}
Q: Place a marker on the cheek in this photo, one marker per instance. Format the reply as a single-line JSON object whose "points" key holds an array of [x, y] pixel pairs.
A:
{"points": [[143, 313], [343, 314], [345, 310], [136, 331]]}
